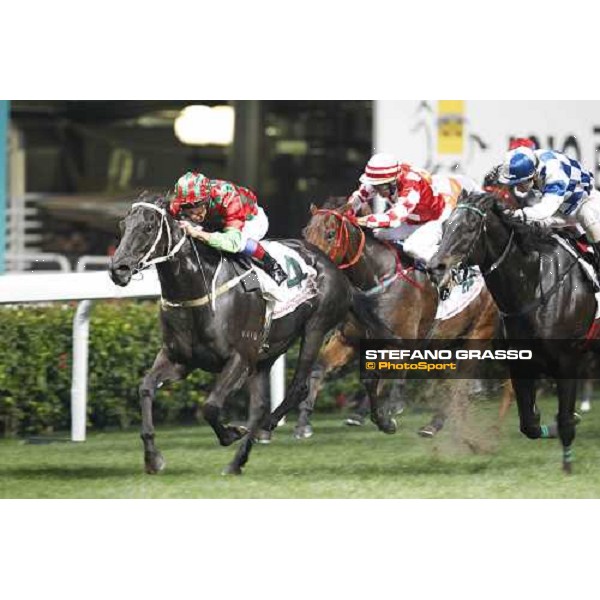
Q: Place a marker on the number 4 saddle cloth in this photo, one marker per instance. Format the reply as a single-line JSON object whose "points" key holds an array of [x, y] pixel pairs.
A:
{"points": [[299, 287]]}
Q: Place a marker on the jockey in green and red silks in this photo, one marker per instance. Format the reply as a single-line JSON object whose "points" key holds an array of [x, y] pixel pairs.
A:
{"points": [[232, 211]]}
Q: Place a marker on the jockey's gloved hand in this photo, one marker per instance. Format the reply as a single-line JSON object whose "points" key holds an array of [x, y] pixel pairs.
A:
{"points": [[515, 215]]}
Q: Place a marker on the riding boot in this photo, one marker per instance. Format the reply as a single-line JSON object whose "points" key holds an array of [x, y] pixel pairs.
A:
{"points": [[272, 268], [596, 258]]}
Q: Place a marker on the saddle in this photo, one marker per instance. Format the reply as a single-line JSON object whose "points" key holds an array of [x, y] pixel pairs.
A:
{"points": [[583, 251], [407, 261], [580, 245], [241, 264]]}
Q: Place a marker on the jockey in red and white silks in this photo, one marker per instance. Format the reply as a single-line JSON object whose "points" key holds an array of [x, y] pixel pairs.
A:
{"points": [[408, 204]]}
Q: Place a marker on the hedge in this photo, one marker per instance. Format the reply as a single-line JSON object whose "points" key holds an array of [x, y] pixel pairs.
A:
{"points": [[36, 361]]}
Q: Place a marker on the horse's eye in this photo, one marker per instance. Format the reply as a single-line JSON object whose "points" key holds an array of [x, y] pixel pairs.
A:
{"points": [[149, 228], [330, 236]]}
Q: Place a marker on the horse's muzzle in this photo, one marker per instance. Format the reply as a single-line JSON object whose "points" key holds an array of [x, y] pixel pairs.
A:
{"points": [[441, 276], [120, 274]]}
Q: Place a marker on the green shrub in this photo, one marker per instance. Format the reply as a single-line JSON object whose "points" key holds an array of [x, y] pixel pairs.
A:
{"points": [[35, 368], [36, 365]]}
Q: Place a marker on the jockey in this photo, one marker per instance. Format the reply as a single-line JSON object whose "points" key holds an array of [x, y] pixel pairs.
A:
{"points": [[567, 191], [231, 211], [491, 181], [405, 205]]}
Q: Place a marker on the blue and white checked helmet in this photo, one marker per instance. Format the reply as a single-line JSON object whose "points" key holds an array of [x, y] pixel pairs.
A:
{"points": [[519, 166]]}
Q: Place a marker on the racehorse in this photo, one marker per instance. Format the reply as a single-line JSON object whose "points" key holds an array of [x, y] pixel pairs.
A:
{"points": [[542, 293], [210, 322], [405, 299]]}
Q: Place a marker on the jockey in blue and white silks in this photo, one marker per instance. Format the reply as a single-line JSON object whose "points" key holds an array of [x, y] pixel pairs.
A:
{"points": [[566, 191]]}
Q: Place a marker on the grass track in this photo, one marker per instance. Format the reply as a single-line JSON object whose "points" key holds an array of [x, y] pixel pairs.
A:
{"points": [[339, 462]]}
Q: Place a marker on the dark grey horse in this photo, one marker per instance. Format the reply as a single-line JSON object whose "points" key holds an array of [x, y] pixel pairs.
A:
{"points": [[544, 297], [211, 322]]}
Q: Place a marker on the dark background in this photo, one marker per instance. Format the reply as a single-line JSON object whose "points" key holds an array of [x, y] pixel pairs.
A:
{"points": [[87, 160]]}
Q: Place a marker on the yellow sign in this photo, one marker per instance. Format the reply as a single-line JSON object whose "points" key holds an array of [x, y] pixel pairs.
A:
{"points": [[450, 126]]}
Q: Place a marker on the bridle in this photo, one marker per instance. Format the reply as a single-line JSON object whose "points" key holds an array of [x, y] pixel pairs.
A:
{"points": [[482, 230], [172, 250], [341, 245], [342, 238]]}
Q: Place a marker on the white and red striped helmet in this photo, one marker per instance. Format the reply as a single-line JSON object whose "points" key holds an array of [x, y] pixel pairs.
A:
{"points": [[381, 168]]}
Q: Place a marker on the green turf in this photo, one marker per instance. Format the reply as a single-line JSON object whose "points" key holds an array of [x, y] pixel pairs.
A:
{"points": [[338, 462]]}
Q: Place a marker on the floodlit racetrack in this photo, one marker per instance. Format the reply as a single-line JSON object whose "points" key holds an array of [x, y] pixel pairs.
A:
{"points": [[337, 463]]}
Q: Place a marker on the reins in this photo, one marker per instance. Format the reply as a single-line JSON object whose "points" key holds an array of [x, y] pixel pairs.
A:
{"points": [[341, 247], [545, 296], [144, 263]]}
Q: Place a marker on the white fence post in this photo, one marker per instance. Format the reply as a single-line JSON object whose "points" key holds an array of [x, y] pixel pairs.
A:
{"points": [[81, 335], [277, 384]]}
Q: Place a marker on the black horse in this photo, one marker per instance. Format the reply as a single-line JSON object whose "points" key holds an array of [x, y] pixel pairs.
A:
{"points": [[542, 293], [210, 322]]}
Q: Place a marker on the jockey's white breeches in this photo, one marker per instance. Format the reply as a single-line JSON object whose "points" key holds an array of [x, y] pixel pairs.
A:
{"points": [[256, 228], [586, 216], [421, 240]]}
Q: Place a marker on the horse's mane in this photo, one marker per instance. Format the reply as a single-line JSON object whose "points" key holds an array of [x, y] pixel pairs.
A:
{"points": [[335, 202], [159, 199], [530, 238]]}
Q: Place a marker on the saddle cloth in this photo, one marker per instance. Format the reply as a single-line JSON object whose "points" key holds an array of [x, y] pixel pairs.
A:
{"points": [[461, 295], [299, 287]]}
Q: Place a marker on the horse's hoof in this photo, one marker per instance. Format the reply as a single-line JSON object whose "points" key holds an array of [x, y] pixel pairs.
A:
{"points": [[428, 431], [263, 437], [232, 434], [231, 470], [389, 427], [154, 463], [303, 432], [567, 468]]}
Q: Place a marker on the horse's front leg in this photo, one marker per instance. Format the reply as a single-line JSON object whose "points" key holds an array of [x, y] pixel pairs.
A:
{"points": [[567, 396], [230, 379], [162, 370], [529, 417]]}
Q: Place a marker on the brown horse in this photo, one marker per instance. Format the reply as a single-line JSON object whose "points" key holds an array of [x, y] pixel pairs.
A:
{"points": [[406, 301]]}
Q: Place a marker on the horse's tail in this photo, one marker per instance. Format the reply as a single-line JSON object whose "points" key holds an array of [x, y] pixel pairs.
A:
{"points": [[363, 308]]}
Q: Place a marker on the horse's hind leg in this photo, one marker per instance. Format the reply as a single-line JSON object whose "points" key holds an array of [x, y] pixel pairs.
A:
{"points": [[383, 412], [259, 396], [260, 403], [335, 354], [567, 395], [230, 379], [162, 370], [298, 390]]}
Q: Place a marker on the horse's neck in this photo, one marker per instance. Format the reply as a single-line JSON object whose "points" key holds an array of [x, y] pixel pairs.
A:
{"points": [[189, 274], [515, 276]]}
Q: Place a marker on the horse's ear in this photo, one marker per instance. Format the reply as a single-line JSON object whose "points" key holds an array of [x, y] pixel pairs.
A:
{"points": [[313, 208]]}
